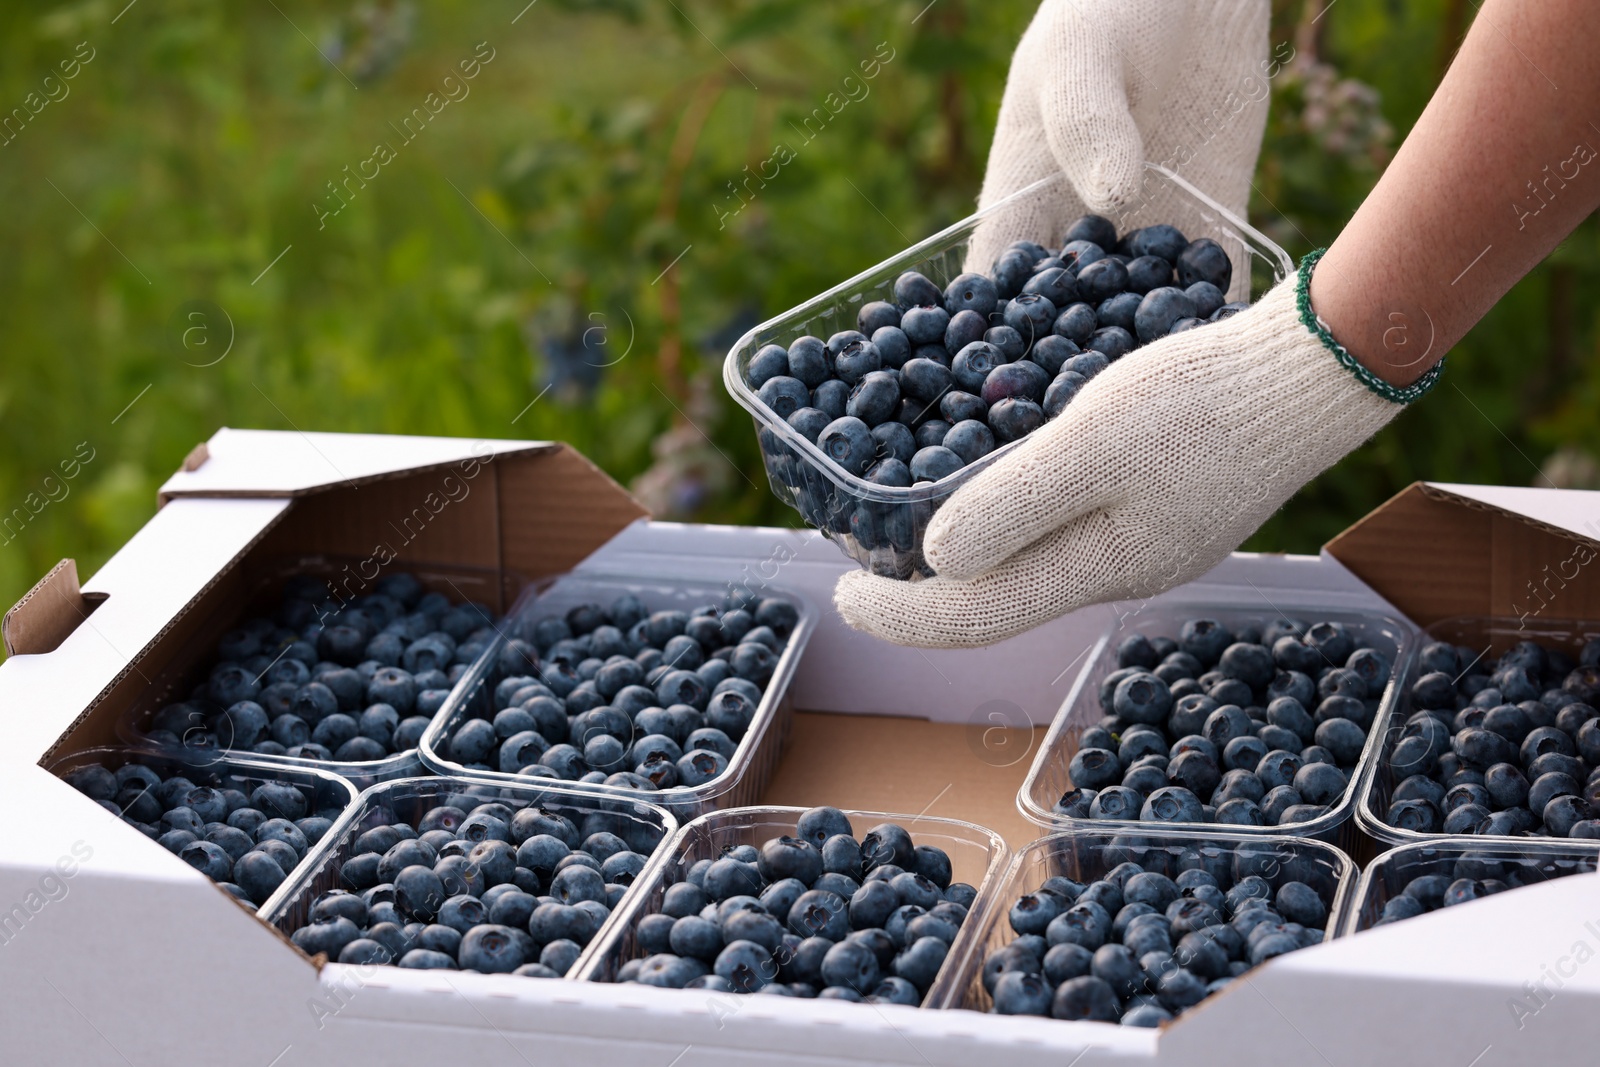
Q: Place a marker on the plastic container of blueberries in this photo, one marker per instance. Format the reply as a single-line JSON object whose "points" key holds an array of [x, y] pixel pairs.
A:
{"points": [[1492, 635], [881, 527], [1532, 860], [977, 857], [754, 759], [408, 799], [322, 788], [1048, 779], [261, 584], [1086, 855]]}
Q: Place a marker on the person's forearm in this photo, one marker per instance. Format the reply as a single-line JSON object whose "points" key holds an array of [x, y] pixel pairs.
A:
{"points": [[1502, 165]]}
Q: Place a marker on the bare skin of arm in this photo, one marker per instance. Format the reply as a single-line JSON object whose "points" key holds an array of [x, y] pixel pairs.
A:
{"points": [[1502, 165]]}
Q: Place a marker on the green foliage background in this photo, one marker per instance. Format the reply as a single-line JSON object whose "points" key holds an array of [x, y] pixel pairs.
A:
{"points": [[524, 237]]}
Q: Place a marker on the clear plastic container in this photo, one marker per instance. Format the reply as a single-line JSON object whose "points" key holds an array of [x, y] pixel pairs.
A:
{"points": [[977, 857], [1048, 778], [1494, 635], [754, 759], [881, 527], [263, 583], [322, 789], [1086, 855], [1529, 862], [408, 799]]}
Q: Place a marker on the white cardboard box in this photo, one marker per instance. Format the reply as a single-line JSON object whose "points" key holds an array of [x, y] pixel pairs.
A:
{"points": [[112, 951]]}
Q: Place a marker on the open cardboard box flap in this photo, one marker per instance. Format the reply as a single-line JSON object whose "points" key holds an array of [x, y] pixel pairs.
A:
{"points": [[1437, 551], [514, 510]]}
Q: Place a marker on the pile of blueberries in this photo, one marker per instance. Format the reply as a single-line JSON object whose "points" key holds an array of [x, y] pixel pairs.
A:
{"points": [[1472, 877], [627, 697], [818, 914], [321, 680], [247, 835], [1263, 727], [1139, 945], [936, 379], [478, 884], [1506, 746]]}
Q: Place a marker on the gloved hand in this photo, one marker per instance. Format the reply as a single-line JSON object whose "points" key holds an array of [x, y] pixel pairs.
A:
{"points": [[1161, 466], [1097, 87]]}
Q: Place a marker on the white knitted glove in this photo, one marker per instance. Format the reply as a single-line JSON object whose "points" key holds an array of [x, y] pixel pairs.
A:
{"points": [[1097, 87], [1161, 466]]}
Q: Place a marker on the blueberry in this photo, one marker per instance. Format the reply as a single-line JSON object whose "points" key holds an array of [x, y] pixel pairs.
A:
{"points": [[1014, 418], [1159, 309], [1011, 272], [923, 326], [1142, 698], [970, 440], [1055, 284], [1418, 816], [875, 398], [1208, 299], [1547, 787], [957, 406], [808, 362], [1092, 229], [875, 315], [1010, 343], [1100, 280], [1203, 260], [1031, 315], [1061, 392], [1202, 953], [768, 362], [1118, 311], [258, 874], [838, 342], [1343, 738], [965, 327], [912, 289], [892, 441], [1077, 323], [1113, 341], [970, 292], [1320, 783], [1564, 812], [820, 913], [1226, 723], [691, 936], [1195, 771], [1115, 802], [1172, 804], [1022, 380], [1086, 997], [927, 381], [935, 462], [783, 395], [1148, 272], [893, 346], [971, 367], [1094, 768], [1244, 754], [817, 825]]}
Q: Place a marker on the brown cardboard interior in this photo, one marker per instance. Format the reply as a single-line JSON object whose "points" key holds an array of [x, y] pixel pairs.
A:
{"points": [[47, 613], [1435, 555], [478, 530], [907, 766]]}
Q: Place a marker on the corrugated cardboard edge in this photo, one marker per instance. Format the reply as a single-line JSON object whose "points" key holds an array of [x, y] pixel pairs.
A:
{"points": [[531, 449], [47, 613], [1435, 554]]}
